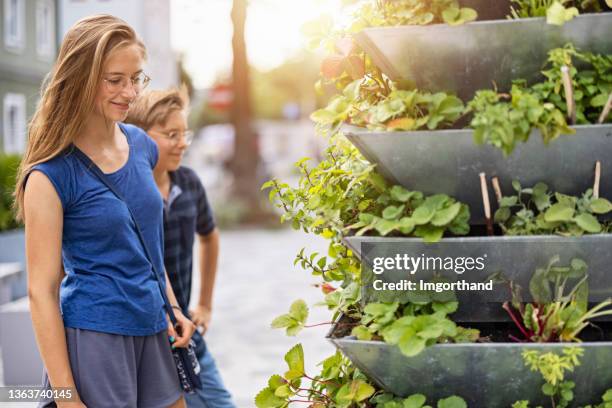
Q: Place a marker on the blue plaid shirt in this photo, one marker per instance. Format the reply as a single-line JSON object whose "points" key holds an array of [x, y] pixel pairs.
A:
{"points": [[185, 212]]}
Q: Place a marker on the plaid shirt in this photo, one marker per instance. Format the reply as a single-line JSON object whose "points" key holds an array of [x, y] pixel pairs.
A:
{"points": [[185, 212]]}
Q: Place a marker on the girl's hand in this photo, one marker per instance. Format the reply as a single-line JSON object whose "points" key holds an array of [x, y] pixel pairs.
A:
{"points": [[182, 332]]}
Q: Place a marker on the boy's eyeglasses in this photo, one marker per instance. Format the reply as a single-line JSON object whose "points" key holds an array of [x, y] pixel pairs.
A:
{"points": [[175, 137], [119, 83]]}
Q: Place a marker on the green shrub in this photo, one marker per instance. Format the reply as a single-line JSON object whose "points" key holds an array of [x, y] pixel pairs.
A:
{"points": [[8, 172]]}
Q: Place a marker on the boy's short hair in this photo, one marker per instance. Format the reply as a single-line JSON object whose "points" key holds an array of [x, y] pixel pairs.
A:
{"points": [[153, 107]]}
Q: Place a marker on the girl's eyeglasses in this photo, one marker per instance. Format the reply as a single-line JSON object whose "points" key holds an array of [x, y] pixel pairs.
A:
{"points": [[119, 83]]}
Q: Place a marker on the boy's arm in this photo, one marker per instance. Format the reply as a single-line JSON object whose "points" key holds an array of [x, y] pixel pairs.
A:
{"points": [[209, 253]]}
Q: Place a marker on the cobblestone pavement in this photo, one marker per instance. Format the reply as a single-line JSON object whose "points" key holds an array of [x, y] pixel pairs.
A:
{"points": [[256, 282]]}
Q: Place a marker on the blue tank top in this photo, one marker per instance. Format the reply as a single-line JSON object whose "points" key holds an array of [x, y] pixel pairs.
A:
{"points": [[109, 285]]}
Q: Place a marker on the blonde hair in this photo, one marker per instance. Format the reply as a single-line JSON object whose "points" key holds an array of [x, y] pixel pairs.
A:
{"points": [[69, 90], [153, 107]]}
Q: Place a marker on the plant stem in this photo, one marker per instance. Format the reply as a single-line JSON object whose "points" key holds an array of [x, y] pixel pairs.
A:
{"points": [[516, 321]]}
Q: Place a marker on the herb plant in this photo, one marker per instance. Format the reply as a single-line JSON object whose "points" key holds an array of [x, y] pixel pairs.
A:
{"points": [[503, 120]]}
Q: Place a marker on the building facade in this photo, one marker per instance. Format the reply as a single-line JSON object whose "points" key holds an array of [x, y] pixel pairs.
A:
{"points": [[27, 52], [149, 18]]}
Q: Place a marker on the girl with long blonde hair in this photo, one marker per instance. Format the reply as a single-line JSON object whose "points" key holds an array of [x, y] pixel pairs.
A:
{"points": [[96, 306]]}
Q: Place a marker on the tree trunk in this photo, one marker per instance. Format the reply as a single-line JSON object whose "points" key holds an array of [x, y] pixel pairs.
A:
{"points": [[244, 163]]}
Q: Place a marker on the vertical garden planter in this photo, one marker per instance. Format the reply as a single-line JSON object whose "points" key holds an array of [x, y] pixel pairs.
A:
{"points": [[473, 56], [516, 257], [462, 60], [491, 375], [448, 161]]}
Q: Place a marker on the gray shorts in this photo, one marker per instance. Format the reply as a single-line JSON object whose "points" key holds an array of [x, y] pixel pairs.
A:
{"points": [[117, 371]]}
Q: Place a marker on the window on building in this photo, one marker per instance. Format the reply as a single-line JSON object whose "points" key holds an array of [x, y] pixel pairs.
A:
{"points": [[14, 119], [45, 28], [14, 24]]}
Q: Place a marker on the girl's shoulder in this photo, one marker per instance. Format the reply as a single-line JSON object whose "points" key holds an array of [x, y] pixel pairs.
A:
{"points": [[141, 141], [60, 170]]}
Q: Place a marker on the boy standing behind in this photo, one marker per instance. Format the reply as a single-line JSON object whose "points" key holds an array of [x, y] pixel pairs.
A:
{"points": [[162, 114]]}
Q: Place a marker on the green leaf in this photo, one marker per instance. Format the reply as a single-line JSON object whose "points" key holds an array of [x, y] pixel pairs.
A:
{"points": [[467, 14], [399, 193], [411, 345], [384, 227], [283, 391], [392, 212], [588, 223], [414, 401], [299, 310], [559, 212], [295, 361], [599, 100], [364, 390], [452, 402], [445, 216], [361, 332], [559, 15], [275, 381], [429, 233], [502, 215], [422, 215], [406, 225], [282, 321], [601, 206], [267, 399], [548, 389]]}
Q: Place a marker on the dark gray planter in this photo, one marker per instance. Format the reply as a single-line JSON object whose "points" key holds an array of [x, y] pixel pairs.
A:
{"points": [[448, 161], [516, 257], [491, 375], [469, 57]]}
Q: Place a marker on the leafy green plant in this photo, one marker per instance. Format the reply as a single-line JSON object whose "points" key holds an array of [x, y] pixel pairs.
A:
{"points": [[503, 120], [294, 320], [556, 11], [411, 12], [398, 110], [344, 193], [553, 368], [416, 327], [606, 401], [8, 172], [338, 385], [386, 400], [558, 311], [537, 211]]}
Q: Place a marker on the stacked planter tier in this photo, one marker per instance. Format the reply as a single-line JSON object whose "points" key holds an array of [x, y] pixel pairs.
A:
{"points": [[491, 375], [474, 56], [465, 59], [516, 257], [448, 161]]}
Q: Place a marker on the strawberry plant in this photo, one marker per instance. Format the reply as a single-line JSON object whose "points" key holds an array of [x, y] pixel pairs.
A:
{"points": [[338, 385], [537, 211]]}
